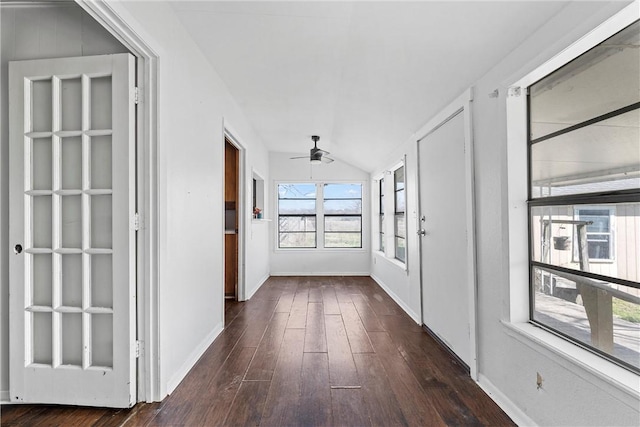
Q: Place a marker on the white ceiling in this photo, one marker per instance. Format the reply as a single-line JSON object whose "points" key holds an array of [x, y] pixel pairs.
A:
{"points": [[363, 75]]}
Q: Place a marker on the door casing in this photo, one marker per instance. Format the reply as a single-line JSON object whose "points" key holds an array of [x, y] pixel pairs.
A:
{"points": [[148, 252], [462, 105]]}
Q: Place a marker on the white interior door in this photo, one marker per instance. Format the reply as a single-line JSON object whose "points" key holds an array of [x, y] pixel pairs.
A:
{"points": [[72, 194], [447, 294]]}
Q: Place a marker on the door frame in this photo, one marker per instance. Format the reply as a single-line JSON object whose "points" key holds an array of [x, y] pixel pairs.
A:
{"points": [[241, 207], [461, 105], [147, 195]]}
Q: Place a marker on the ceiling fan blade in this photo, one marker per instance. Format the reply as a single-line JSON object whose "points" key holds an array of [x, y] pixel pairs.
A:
{"points": [[301, 157], [322, 151], [326, 159]]}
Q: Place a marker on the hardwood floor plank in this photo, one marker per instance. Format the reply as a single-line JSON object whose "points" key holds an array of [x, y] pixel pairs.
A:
{"points": [[413, 401], [285, 302], [264, 362], [380, 403], [298, 314], [314, 407], [368, 317], [222, 391], [348, 409], [330, 301], [284, 393], [315, 340], [342, 370], [356, 333], [248, 405]]}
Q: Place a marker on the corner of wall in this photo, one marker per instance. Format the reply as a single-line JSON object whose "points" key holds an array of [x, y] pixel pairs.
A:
{"points": [[415, 316], [510, 408]]}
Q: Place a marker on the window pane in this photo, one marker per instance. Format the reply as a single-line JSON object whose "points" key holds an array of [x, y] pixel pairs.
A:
{"points": [[298, 240], [332, 207], [398, 176], [342, 223], [554, 240], [343, 191], [297, 191], [561, 302], [342, 240], [297, 207], [400, 249], [297, 223], [400, 226], [604, 79], [600, 157], [400, 205]]}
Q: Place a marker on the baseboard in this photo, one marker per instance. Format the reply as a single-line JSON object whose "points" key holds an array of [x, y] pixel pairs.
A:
{"points": [[514, 412], [4, 397], [416, 317], [319, 273], [260, 283], [177, 378]]}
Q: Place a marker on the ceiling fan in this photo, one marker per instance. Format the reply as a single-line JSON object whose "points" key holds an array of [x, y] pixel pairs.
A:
{"points": [[316, 155]]}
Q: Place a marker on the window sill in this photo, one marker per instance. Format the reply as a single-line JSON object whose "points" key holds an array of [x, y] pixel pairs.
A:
{"points": [[258, 220], [323, 250], [616, 380]]}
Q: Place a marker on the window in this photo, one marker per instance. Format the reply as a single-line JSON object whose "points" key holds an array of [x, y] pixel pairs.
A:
{"points": [[399, 214], [342, 210], [297, 215], [337, 207], [599, 232], [584, 171], [381, 211]]}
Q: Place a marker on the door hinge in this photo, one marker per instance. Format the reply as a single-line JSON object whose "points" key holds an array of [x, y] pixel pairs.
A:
{"points": [[137, 348], [136, 95], [136, 221]]}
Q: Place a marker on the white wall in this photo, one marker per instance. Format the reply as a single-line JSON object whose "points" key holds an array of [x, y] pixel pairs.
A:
{"points": [[193, 101], [317, 261], [35, 32], [508, 362]]}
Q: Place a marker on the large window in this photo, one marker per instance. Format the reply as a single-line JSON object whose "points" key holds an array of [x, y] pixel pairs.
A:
{"points": [[342, 215], [335, 207], [584, 173], [381, 214], [297, 215], [399, 214]]}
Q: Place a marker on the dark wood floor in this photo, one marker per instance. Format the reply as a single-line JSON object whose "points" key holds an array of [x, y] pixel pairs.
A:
{"points": [[306, 351]]}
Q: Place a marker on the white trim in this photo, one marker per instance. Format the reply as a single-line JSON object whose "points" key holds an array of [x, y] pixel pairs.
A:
{"points": [[192, 359], [261, 282], [244, 215], [512, 410], [4, 397], [319, 273], [606, 375], [462, 105], [148, 304], [415, 316]]}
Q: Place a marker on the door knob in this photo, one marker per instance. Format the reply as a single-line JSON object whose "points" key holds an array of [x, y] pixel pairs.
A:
{"points": [[422, 232], [17, 248]]}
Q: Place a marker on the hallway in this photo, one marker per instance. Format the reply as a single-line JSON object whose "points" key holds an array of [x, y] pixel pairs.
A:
{"points": [[307, 351]]}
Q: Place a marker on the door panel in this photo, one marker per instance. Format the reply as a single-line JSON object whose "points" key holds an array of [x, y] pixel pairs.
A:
{"points": [[72, 194], [445, 286]]}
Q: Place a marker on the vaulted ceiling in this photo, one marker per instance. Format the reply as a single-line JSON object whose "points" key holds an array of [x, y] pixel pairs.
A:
{"points": [[363, 75]]}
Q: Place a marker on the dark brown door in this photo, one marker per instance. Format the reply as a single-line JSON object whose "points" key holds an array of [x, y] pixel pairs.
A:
{"points": [[231, 220]]}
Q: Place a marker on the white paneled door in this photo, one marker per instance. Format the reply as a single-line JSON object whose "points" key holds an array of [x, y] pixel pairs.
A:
{"points": [[72, 201]]}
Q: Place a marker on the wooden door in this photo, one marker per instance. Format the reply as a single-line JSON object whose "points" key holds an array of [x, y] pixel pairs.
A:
{"points": [[231, 179], [72, 194]]}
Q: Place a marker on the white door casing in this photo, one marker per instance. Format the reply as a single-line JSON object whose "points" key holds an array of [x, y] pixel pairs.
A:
{"points": [[448, 285], [72, 201]]}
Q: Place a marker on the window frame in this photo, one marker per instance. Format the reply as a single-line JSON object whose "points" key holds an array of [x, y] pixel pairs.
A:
{"points": [[578, 201], [399, 214], [381, 217], [320, 217], [279, 215], [611, 233], [325, 215]]}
